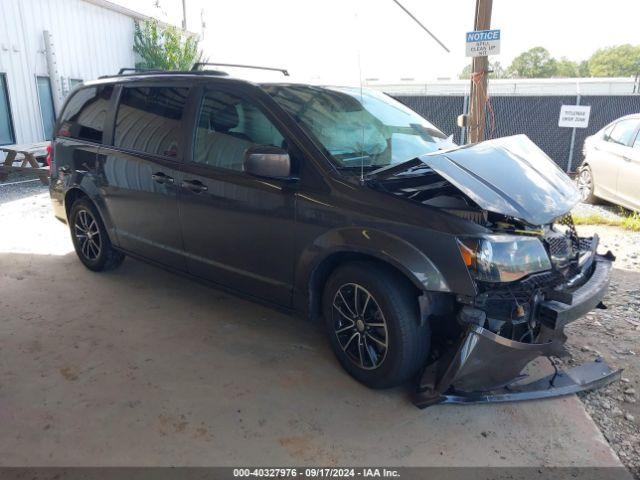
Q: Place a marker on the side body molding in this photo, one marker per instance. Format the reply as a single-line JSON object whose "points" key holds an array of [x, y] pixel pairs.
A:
{"points": [[414, 264]]}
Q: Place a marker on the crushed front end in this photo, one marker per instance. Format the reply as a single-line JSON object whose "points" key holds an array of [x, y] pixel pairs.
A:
{"points": [[509, 323], [531, 273]]}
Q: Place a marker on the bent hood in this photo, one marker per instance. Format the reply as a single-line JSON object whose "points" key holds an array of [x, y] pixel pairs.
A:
{"points": [[511, 176]]}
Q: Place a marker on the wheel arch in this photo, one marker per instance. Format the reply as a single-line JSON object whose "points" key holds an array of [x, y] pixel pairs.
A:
{"points": [[337, 247], [583, 164], [75, 193], [71, 196]]}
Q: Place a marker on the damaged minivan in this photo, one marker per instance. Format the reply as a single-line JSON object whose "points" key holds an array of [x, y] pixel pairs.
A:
{"points": [[451, 266]]}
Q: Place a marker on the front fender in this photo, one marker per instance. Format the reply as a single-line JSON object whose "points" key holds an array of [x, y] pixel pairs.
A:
{"points": [[391, 249]]}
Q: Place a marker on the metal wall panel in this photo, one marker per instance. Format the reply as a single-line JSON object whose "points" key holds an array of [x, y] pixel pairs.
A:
{"points": [[89, 41]]}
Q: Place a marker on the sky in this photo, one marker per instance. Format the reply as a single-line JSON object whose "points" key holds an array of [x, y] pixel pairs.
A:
{"points": [[344, 41]]}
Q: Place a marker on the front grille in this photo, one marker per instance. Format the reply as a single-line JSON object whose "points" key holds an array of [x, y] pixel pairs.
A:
{"points": [[500, 300], [585, 243], [559, 245], [511, 308], [562, 243], [567, 221]]}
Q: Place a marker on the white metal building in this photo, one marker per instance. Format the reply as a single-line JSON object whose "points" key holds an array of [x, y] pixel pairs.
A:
{"points": [[46, 47]]}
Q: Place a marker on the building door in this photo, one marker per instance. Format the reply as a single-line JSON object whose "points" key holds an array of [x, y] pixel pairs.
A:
{"points": [[6, 123], [47, 111]]}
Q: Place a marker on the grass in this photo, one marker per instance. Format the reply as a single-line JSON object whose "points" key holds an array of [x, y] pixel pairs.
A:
{"points": [[624, 219], [632, 222]]}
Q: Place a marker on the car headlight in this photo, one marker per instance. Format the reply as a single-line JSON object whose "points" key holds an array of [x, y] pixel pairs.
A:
{"points": [[503, 258]]}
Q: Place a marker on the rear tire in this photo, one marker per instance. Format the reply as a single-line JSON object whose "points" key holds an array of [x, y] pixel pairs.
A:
{"points": [[372, 318], [585, 184], [90, 238]]}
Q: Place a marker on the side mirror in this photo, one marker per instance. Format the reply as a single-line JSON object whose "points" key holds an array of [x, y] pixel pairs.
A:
{"points": [[267, 161]]}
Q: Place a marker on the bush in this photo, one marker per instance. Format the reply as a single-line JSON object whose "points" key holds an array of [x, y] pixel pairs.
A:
{"points": [[165, 47]]}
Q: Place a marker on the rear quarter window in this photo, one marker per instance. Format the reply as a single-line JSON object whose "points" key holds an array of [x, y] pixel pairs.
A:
{"points": [[85, 113], [149, 119]]}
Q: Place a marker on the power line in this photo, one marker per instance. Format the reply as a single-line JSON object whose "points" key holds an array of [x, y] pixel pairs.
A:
{"points": [[421, 25]]}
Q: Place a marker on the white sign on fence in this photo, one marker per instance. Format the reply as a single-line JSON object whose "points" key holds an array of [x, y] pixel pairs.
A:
{"points": [[574, 116], [483, 42]]}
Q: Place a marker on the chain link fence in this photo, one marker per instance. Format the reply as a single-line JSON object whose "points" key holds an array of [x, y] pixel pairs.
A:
{"points": [[533, 111]]}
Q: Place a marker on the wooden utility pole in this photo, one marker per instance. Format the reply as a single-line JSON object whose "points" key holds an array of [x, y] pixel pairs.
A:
{"points": [[479, 73]]}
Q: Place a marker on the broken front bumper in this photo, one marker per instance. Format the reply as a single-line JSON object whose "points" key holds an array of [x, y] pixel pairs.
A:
{"points": [[486, 367]]}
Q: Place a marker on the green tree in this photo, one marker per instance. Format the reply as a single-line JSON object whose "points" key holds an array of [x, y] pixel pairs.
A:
{"points": [[162, 47], [497, 71], [534, 63], [566, 68], [620, 61], [465, 74], [583, 69]]}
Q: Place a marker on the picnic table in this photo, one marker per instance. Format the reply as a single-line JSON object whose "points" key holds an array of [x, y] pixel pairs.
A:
{"points": [[27, 155]]}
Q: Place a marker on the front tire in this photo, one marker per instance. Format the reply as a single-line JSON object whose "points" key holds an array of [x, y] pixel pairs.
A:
{"points": [[90, 238], [372, 319], [585, 185]]}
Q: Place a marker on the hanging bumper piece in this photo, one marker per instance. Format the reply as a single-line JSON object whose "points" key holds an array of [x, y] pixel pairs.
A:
{"points": [[486, 367], [486, 358]]}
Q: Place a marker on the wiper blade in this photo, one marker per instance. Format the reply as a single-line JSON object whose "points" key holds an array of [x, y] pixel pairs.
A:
{"points": [[356, 167], [393, 170]]}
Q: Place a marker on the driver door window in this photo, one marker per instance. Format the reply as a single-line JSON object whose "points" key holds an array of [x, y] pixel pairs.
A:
{"points": [[227, 126], [236, 228]]}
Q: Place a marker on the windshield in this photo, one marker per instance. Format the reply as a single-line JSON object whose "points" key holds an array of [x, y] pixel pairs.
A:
{"points": [[359, 127]]}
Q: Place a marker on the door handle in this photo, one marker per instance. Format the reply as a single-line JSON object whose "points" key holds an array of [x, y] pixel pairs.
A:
{"points": [[161, 178], [195, 186], [64, 169]]}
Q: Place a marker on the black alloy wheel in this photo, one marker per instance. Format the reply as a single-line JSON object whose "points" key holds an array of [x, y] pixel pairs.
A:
{"points": [[373, 322], [87, 233], [360, 326], [90, 238]]}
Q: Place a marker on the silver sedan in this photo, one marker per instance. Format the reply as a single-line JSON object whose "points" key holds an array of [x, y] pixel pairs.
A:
{"points": [[611, 166]]}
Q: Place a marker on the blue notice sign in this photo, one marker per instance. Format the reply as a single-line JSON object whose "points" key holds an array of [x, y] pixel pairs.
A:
{"points": [[482, 43]]}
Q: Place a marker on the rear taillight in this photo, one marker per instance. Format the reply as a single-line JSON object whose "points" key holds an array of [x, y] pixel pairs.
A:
{"points": [[49, 157]]}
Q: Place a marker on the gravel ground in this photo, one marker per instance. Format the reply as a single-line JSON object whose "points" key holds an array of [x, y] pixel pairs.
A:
{"points": [[607, 210], [613, 333], [19, 186]]}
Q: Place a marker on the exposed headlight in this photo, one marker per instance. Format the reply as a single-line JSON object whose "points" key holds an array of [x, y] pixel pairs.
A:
{"points": [[503, 258]]}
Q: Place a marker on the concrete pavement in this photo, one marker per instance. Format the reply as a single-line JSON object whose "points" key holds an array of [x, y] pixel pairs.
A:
{"points": [[142, 367]]}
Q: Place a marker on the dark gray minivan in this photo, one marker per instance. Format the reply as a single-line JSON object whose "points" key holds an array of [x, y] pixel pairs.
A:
{"points": [[454, 266]]}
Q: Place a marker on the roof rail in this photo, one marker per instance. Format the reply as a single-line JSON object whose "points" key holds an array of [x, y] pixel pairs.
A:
{"points": [[197, 65], [122, 71], [129, 71]]}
